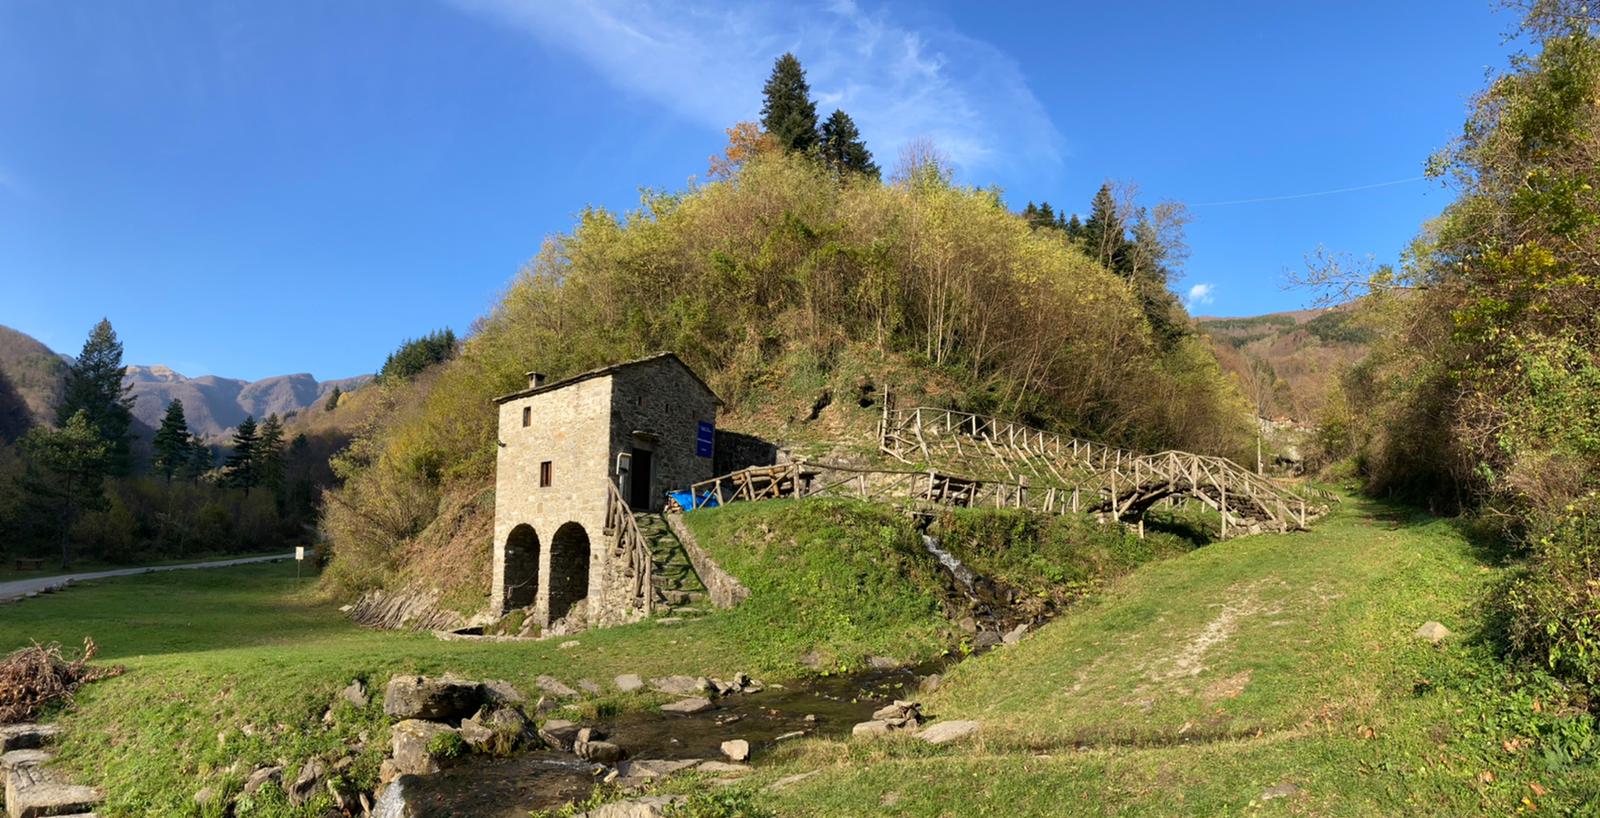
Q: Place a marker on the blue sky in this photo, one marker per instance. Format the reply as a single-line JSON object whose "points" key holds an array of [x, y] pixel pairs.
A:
{"points": [[251, 189]]}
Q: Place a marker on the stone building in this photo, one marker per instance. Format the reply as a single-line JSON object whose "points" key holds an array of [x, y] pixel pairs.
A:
{"points": [[645, 427]]}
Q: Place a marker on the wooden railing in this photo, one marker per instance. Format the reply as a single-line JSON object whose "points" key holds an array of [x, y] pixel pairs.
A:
{"points": [[1120, 481], [628, 543]]}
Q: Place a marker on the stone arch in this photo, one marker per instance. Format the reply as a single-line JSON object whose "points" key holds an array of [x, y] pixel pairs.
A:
{"points": [[569, 569], [521, 567]]}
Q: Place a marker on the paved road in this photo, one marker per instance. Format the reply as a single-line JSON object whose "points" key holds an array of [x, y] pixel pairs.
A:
{"points": [[23, 587]]}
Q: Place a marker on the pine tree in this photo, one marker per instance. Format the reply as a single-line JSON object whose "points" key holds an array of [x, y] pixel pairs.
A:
{"points": [[333, 399], [269, 454], [66, 472], [240, 469], [199, 461], [787, 111], [172, 441], [842, 148], [1103, 233], [1074, 228], [94, 387]]}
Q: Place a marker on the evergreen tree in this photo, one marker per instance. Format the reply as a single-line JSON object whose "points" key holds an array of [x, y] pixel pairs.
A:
{"points": [[269, 454], [842, 148], [1074, 228], [333, 399], [94, 387], [787, 112], [66, 473], [417, 354], [1103, 233], [199, 461], [240, 469], [172, 441]]}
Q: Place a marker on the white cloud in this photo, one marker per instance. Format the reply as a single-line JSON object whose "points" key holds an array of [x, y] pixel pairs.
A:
{"points": [[899, 81], [1198, 295]]}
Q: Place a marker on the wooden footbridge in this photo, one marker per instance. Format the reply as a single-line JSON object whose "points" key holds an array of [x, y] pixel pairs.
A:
{"points": [[958, 459]]}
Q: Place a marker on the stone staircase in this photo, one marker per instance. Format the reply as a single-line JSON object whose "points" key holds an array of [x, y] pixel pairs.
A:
{"points": [[678, 591], [32, 788]]}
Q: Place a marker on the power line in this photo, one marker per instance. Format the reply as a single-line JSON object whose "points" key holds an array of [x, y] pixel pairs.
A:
{"points": [[1311, 195]]}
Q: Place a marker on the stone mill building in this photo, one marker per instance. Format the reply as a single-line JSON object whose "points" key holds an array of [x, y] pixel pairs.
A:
{"points": [[575, 458]]}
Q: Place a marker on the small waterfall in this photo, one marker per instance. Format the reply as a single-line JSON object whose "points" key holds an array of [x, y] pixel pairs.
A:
{"points": [[962, 573]]}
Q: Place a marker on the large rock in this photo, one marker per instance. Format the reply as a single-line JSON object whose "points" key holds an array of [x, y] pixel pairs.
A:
{"points": [[27, 736], [1433, 632], [411, 744], [689, 706], [261, 777], [306, 785], [629, 682], [653, 806], [436, 699], [736, 750], [555, 687], [599, 752], [677, 685], [945, 732], [496, 731], [355, 694], [559, 734]]}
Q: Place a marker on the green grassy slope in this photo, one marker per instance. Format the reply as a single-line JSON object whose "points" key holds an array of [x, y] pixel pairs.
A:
{"points": [[235, 666], [1200, 682]]}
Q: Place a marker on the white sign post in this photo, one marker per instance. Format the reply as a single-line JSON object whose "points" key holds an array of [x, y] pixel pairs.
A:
{"points": [[299, 559]]}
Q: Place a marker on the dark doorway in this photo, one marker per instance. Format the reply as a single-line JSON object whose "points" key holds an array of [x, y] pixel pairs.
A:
{"points": [[639, 477], [522, 567], [569, 569]]}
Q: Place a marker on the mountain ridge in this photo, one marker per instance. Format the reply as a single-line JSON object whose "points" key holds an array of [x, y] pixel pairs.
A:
{"points": [[213, 404]]}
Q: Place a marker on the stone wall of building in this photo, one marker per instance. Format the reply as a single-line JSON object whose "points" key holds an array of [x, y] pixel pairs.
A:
{"points": [[570, 427], [662, 400]]}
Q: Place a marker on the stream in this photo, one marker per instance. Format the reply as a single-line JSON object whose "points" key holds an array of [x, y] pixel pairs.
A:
{"points": [[543, 779], [820, 706]]}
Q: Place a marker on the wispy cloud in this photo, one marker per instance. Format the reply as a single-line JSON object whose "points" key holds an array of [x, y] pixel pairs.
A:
{"points": [[1198, 295], [899, 81]]}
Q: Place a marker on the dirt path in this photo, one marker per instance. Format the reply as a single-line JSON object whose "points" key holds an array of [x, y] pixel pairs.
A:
{"points": [[18, 589]]}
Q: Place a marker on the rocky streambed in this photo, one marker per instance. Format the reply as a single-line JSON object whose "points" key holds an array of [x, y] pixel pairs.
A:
{"points": [[714, 728]]}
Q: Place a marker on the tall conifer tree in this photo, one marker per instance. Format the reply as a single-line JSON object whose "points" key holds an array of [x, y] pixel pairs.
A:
{"points": [[842, 147], [269, 454], [240, 469], [787, 112], [94, 387], [172, 441]]}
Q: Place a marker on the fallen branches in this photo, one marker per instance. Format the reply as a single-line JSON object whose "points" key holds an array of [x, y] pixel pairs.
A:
{"points": [[36, 676]]}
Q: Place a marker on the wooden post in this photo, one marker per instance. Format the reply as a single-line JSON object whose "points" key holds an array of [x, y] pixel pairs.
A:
{"points": [[1223, 487], [1074, 499]]}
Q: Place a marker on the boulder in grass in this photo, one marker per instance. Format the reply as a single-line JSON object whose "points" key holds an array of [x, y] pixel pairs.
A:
{"points": [[261, 777], [559, 734], [443, 698], [1433, 632], [629, 682], [27, 736], [945, 732], [308, 783]]}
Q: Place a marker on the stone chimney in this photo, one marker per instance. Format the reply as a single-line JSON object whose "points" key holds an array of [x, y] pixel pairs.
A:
{"points": [[535, 380]]}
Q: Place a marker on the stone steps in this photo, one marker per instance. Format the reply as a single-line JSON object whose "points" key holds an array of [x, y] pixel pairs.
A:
{"points": [[672, 575], [35, 790]]}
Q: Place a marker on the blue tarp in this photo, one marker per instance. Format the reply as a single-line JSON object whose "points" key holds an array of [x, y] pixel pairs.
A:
{"points": [[686, 501]]}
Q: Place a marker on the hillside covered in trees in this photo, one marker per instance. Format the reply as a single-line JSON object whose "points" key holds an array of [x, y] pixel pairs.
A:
{"points": [[796, 274]]}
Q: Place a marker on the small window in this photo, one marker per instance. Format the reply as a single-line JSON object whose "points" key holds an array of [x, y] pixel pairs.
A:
{"points": [[527, 416], [545, 474]]}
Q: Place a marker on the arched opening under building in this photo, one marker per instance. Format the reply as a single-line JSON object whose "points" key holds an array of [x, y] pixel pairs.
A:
{"points": [[521, 567], [569, 569]]}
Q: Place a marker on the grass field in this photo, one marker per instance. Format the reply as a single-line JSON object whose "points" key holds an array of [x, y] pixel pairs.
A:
{"points": [[1193, 685], [1201, 683]]}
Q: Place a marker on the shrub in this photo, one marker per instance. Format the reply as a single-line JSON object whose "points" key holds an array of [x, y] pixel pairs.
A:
{"points": [[1553, 607]]}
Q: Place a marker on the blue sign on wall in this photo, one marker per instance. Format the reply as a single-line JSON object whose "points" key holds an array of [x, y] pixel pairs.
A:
{"points": [[703, 438]]}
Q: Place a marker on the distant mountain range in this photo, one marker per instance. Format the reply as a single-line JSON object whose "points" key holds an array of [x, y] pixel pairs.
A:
{"points": [[213, 405]]}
